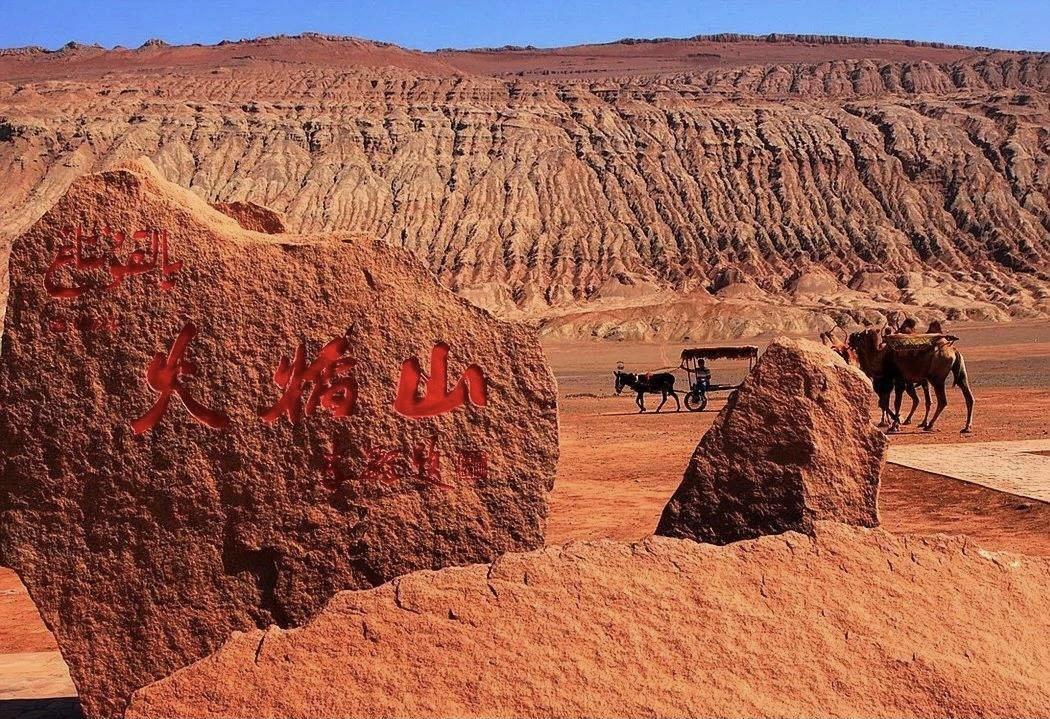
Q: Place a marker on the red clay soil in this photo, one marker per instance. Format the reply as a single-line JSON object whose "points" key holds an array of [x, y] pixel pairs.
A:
{"points": [[618, 469], [21, 630]]}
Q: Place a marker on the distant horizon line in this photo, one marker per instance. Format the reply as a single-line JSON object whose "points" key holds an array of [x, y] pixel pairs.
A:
{"points": [[727, 37]]}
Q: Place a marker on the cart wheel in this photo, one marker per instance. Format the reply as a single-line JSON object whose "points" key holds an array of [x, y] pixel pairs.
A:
{"points": [[696, 401]]}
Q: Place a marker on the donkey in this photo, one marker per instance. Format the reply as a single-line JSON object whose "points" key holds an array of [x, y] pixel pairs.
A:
{"points": [[656, 383]]}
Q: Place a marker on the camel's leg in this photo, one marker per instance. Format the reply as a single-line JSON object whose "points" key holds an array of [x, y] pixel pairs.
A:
{"points": [[910, 389], [898, 397], [926, 401], [884, 405], [942, 402], [661, 402], [964, 385]]}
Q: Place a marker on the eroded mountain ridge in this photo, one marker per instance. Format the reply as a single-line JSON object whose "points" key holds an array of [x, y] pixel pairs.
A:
{"points": [[693, 193]]}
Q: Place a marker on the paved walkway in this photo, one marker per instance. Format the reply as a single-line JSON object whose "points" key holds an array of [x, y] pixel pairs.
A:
{"points": [[34, 674], [1014, 467]]}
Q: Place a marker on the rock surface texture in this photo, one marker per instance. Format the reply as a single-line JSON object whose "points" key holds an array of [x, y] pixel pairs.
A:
{"points": [[794, 445], [253, 217], [208, 429], [851, 622], [605, 190]]}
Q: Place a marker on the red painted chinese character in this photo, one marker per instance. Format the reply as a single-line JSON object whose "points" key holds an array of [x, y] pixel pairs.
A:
{"points": [[163, 375], [379, 467], [334, 388], [437, 398], [472, 466], [427, 461]]}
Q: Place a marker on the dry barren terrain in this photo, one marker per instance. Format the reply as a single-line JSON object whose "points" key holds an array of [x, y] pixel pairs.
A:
{"points": [[630, 198]]}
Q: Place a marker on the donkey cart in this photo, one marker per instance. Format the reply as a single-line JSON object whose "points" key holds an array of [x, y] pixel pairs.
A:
{"points": [[694, 362]]}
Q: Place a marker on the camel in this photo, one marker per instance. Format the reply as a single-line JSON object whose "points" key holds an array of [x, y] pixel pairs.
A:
{"points": [[873, 358], [888, 363], [842, 349], [910, 327]]}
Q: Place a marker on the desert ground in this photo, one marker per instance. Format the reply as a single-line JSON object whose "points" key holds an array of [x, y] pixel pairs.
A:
{"points": [[618, 468]]}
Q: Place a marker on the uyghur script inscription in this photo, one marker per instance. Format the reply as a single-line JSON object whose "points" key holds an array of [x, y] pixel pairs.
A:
{"points": [[90, 262]]}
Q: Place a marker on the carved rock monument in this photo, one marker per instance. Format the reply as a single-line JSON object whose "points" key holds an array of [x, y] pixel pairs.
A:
{"points": [[209, 429]]}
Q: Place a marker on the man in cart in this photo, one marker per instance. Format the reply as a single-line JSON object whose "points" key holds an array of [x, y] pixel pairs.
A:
{"points": [[703, 374]]}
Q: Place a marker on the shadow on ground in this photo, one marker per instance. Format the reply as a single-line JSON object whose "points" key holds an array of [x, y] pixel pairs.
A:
{"points": [[60, 708]]}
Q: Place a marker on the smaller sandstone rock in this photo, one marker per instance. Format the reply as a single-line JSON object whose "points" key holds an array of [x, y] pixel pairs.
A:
{"points": [[794, 445]]}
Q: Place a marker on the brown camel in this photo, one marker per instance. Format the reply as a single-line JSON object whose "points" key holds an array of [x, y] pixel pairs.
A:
{"points": [[841, 347], [873, 358], [889, 360]]}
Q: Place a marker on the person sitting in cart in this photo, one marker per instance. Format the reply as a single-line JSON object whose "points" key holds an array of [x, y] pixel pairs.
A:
{"points": [[703, 374]]}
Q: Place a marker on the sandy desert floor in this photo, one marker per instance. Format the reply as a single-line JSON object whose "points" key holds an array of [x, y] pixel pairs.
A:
{"points": [[618, 468]]}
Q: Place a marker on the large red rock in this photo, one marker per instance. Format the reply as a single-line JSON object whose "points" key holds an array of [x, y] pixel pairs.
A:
{"points": [[852, 622], [207, 429], [793, 445]]}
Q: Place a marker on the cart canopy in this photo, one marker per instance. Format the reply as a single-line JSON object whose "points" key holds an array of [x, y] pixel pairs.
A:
{"points": [[713, 353]]}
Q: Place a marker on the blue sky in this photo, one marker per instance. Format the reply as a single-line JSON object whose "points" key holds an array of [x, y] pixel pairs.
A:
{"points": [[476, 23]]}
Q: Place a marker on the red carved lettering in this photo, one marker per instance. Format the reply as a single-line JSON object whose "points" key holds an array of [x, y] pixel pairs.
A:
{"points": [[427, 461], [334, 388], [437, 398], [163, 376], [83, 324], [472, 466], [74, 255], [71, 255], [379, 466], [140, 262]]}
